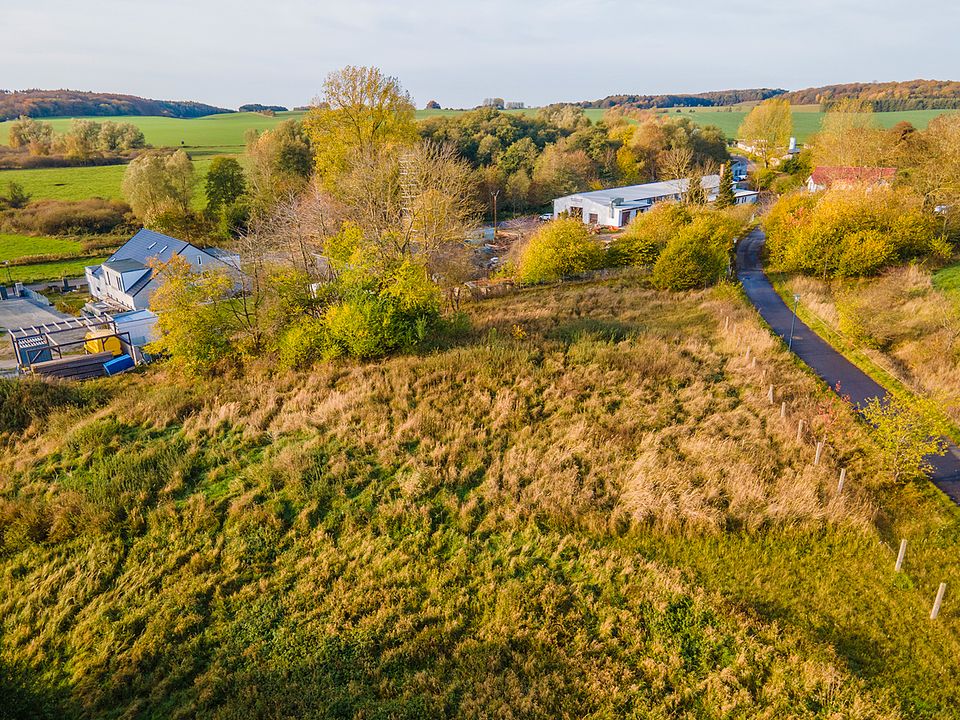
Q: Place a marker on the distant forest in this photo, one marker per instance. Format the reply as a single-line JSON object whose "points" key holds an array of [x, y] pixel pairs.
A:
{"points": [[257, 107], [705, 99], [65, 103], [885, 96]]}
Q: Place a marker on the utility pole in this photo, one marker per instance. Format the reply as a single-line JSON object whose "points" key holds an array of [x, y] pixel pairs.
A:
{"points": [[793, 322], [494, 196]]}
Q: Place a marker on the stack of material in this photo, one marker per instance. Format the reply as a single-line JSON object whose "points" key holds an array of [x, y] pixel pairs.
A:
{"points": [[74, 367]]}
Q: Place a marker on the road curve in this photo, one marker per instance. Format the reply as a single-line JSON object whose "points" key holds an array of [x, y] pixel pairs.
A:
{"points": [[820, 356]]}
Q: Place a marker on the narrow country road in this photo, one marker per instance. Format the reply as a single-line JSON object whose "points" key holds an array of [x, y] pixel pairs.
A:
{"points": [[820, 356]]}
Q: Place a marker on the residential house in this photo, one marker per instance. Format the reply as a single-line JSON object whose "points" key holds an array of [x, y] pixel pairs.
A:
{"points": [[616, 207], [129, 277], [825, 177]]}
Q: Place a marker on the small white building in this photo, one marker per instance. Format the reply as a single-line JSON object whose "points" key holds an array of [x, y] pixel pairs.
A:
{"points": [[616, 207], [128, 277]]}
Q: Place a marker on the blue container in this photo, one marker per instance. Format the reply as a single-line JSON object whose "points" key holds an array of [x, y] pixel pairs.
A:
{"points": [[118, 364]]}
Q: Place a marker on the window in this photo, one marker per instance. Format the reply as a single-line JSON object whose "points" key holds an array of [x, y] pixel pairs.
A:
{"points": [[594, 218], [199, 260], [576, 212]]}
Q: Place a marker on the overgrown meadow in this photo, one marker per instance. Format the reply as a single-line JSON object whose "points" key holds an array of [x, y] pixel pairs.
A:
{"points": [[584, 505]]}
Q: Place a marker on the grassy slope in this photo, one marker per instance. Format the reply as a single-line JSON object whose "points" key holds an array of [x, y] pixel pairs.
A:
{"points": [[603, 518], [907, 329], [947, 278]]}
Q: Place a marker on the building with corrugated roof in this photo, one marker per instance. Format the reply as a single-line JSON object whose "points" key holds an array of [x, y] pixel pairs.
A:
{"points": [[616, 207]]}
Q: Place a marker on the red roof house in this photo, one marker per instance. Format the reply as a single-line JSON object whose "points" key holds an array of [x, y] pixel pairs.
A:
{"points": [[824, 177]]}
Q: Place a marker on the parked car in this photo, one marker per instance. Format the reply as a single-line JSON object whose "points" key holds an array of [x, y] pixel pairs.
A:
{"points": [[546, 217]]}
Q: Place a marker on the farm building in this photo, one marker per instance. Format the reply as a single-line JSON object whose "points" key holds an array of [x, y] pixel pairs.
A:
{"points": [[128, 277], [825, 177], [616, 207]]}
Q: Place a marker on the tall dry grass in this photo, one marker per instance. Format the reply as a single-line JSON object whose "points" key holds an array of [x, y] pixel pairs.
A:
{"points": [[901, 322], [452, 534]]}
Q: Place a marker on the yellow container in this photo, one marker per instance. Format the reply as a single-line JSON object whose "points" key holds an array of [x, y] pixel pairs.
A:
{"points": [[98, 341]]}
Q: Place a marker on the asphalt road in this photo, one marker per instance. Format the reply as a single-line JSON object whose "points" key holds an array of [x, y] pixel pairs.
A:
{"points": [[830, 365]]}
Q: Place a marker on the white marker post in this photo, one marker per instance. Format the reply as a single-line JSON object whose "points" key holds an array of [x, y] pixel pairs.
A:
{"points": [[816, 459], [938, 602], [843, 476], [800, 430], [900, 555], [783, 409]]}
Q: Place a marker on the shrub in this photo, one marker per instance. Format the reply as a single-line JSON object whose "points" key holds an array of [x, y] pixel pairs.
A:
{"points": [[195, 322], [357, 328], [698, 255], [849, 232], [647, 235], [63, 217], [302, 343], [377, 316], [559, 249], [16, 197]]}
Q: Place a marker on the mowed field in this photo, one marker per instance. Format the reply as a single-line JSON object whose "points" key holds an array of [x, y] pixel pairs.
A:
{"points": [[224, 134], [14, 247]]}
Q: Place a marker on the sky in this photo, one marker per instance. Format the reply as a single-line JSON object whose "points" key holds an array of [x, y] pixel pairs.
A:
{"points": [[532, 51]]}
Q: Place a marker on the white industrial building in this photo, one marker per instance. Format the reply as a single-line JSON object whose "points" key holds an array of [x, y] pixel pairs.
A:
{"points": [[616, 207]]}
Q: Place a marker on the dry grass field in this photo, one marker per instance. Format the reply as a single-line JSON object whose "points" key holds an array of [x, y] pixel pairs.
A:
{"points": [[901, 322], [582, 506]]}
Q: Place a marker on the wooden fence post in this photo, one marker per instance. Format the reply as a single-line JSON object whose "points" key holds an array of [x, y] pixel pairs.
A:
{"points": [[843, 476], [800, 430], [900, 555], [783, 409], [726, 323], [938, 602], [770, 395], [816, 459]]}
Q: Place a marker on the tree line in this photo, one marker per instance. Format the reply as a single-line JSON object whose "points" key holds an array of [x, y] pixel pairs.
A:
{"points": [[84, 139], [66, 103]]}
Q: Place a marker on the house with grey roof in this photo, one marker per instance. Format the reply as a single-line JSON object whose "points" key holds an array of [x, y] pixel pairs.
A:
{"points": [[616, 207], [127, 279]]}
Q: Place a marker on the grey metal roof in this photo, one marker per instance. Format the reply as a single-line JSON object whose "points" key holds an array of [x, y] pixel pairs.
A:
{"points": [[125, 265], [147, 244], [647, 191], [219, 253], [140, 284]]}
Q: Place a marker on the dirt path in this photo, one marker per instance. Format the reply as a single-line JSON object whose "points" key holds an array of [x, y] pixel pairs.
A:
{"points": [[820, 356]]}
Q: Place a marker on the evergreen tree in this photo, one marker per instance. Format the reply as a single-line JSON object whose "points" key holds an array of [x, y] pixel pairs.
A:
{"points": [[726, 196]]}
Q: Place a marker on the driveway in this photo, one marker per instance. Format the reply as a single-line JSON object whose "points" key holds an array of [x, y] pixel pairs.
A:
{"points": [[20, 312], [820, 356]]}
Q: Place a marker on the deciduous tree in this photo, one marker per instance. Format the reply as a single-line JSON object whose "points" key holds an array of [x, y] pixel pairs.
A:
{"points": [[363, 111], [907, 431], [155, 184], [224, 184], [767, 129]]}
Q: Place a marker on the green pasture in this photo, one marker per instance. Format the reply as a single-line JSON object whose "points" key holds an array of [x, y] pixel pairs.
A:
{"points": [[13, 247], [806, 118], [214, 134], [47, 270], [80, 183]]}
